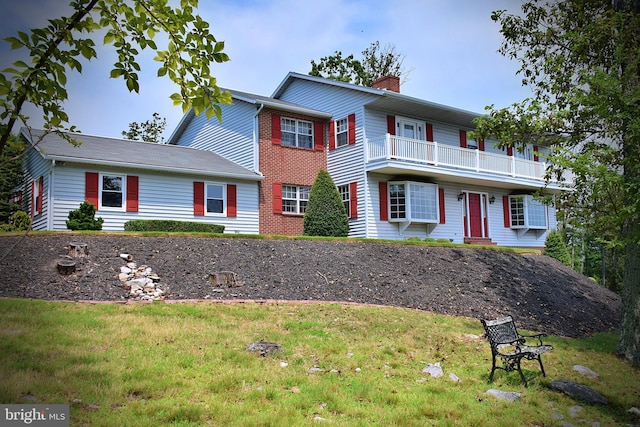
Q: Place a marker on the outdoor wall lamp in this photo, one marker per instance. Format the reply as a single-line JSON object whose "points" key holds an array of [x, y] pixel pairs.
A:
{"points": [[460, 196], [492, 199]]}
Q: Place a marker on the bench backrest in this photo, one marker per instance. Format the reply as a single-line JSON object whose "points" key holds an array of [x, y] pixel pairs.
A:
{"points": [[500, 331]]}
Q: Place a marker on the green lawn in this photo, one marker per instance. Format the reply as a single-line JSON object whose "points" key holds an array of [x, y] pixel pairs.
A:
{"points": [[187, 364]]}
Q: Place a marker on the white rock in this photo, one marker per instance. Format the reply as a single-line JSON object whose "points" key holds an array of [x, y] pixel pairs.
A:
{"points": [[123, 277], [315, 370], [132, 265], [510, 396], [585, 371], [433, 369], [634, 411], [124, 269], [283, 364], [454, 377]]}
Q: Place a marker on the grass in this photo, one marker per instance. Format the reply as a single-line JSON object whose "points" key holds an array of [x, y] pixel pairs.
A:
{"points": [[187, 365]]}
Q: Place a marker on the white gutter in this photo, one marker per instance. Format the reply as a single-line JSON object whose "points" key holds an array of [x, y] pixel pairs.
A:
{"points": [[181, 171], [256, 140]]}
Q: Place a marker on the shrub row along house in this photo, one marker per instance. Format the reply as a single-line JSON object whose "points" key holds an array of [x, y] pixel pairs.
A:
{"points": [[403, 166]]}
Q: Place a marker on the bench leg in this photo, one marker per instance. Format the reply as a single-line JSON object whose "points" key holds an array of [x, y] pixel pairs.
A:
{"points": [[493, 368], [524, 379], [541, 367]]}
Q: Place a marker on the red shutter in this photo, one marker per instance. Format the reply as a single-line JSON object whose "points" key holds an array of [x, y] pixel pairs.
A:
{"points": [[91, 188], [352, 128], [132, 193], [509, 151], [275, 130], [384, 208], [232, 210], [506, 209], [391, 125], [332, 135], [318, 135], [198, 198], [40, 194], [33, 199], [535, 153], [429, 132], [277, 197], [353, 200], [443, 218], [481, 144], [463, 138]]}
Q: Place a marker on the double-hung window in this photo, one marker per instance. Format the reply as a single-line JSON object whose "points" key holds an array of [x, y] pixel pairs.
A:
{"points": [[112, 191], [345, 195], [294, 199], [342, 132], [215, 198], [296, 133], [527, 212], [411, 201]]}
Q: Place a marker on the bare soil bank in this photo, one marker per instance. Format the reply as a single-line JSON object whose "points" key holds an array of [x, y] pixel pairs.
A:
{"points": [[541, 293]]}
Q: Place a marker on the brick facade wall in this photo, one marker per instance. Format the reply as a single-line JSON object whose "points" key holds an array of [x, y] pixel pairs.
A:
{"points": [[286, 165]]}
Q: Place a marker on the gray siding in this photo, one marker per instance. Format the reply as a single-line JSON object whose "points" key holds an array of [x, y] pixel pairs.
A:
{"points": [[161, 196], [36, 166], [232, 139]]}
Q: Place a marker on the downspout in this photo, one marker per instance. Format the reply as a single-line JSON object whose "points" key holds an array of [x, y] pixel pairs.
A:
{"points": [[256, 140], [50, 204]]}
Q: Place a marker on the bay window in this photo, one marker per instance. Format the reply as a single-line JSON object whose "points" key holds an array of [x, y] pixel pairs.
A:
{"points": [[411, 201], [527, 212]]}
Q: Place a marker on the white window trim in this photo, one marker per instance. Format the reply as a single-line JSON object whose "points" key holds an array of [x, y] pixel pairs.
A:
{"points": [[528, 200], [37, 210], [123, 206], [345, 132], [297, 133], [224, 199], [298, 199], [408, 208]]}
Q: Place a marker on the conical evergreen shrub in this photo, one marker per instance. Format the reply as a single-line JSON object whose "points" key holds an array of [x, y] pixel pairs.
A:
{"points": [[555, 247], [325, 214]]}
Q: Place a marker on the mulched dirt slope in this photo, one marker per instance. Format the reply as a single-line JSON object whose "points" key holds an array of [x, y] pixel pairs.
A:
{"points": [[541, 294]]}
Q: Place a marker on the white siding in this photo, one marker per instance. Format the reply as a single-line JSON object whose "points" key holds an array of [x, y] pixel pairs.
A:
{"points": [[160, 196], [232, 138], [453, 229]]}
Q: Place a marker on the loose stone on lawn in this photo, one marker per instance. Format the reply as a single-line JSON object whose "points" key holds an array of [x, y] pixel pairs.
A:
{"points": [[579, 391], [433, 369], [264, 348], [510, 396], [585, 371]]}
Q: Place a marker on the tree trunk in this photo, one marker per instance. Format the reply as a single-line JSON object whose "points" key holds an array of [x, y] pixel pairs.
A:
{"points": [[629, 342]]}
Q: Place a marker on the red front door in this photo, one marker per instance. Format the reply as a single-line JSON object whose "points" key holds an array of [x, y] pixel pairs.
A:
{"points": [[475, 215]]}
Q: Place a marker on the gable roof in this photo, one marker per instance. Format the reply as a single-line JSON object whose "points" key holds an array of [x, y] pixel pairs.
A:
{"points": [[123, 153], [258, 101], [389, 101]]}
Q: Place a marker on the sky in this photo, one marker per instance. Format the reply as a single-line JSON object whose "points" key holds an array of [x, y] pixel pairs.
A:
{"points": [[449, 49]]}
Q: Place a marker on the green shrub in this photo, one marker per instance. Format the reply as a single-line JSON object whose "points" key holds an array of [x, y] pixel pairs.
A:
{"points": [[325, 214], [172, 226], [84, 218], [7, 228], [21, 221], [555, 247]]}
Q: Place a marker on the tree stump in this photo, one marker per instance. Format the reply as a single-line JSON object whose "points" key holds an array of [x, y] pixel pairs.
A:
{"points": [[66, 266], [78, 250], [223, 279]]}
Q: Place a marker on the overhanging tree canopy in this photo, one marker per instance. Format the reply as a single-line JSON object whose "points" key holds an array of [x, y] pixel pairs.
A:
{"points": [[582, 60], [130, 27]]}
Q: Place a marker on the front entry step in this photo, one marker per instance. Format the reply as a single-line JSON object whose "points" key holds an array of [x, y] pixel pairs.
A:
{"points": [[485, 241]]}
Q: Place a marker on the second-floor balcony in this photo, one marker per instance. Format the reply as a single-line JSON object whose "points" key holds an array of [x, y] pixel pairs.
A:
{"points": [[437, 155]]}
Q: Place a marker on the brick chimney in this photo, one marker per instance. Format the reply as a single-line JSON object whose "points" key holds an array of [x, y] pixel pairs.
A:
{"points": [[391, 83]]}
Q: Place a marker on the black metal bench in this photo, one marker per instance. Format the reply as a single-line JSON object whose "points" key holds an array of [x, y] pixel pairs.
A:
{"points": [[511, 347]]}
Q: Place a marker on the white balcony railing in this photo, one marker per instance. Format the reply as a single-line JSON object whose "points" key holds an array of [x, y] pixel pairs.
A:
{"points": [[391, 147]]}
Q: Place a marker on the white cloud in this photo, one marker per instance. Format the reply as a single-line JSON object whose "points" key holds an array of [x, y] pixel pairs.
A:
{"points": [[450, 47]]}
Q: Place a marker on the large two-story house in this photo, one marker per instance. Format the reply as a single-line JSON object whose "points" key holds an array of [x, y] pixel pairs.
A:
{"points": [[404, 167]]}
